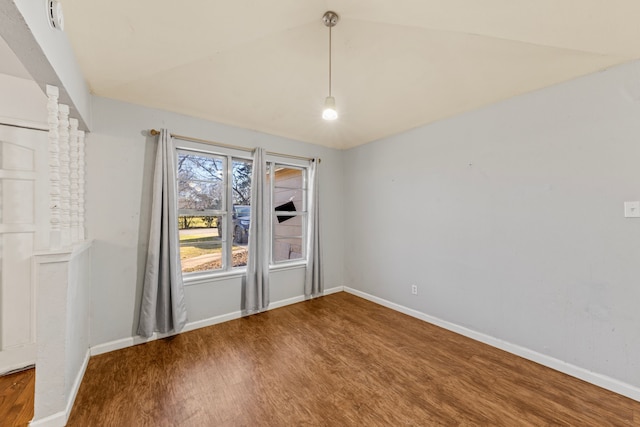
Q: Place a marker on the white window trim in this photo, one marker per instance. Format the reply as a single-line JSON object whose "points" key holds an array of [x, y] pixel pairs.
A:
{"points": [[201, 277], [304, 166]]}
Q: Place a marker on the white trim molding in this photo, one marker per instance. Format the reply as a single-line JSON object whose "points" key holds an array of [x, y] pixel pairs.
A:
{"points": [[135, 340], [594, 378], [22, 123], [333, 290], [60, 419]]}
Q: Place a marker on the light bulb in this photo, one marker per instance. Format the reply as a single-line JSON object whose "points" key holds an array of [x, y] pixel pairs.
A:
{"points": [[329, 112]]}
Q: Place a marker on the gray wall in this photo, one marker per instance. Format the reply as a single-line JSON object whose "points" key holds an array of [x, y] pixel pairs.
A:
{"points": [[119, 171], [510, 221]]}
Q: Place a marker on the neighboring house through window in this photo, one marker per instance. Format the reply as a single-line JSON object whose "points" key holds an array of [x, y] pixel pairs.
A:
{"points": [[289, 212]]}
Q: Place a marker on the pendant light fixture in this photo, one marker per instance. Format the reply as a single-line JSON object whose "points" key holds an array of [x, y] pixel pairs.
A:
{"points": [[330, 19]]}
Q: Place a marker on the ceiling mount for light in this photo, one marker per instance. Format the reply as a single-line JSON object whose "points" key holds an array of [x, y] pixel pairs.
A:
{"points": [[330, 19]]}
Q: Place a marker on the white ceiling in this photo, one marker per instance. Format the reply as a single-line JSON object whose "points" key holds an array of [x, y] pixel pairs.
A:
{"points": [[396, 64]]}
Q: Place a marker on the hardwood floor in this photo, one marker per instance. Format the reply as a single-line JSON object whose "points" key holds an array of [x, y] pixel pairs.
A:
{"points": [[335, 361], [16, 398]]}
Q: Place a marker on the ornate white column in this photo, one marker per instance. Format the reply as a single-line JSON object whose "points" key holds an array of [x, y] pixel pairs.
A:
{"points": [[54, 167], [73, 175], [65, 183], [81, 185]]}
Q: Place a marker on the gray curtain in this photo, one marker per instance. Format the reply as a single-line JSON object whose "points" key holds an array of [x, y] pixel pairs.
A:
{"points": [[257, 284], [163, 307], [314, 280]]}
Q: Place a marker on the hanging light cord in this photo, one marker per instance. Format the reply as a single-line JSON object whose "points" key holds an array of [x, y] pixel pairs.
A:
{"points": [[330, 61], [329, 112]]}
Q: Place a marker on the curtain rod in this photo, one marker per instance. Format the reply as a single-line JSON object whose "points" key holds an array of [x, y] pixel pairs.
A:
{"points": [[234, 147]]}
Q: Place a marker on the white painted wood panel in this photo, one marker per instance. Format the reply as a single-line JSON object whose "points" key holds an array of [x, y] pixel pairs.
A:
{"points": [[23, 187], [18, 200], [22, 103], [17, 293]]}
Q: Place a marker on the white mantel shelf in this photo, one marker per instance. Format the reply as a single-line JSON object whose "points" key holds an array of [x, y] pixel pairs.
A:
{"points": [[63, 254]]}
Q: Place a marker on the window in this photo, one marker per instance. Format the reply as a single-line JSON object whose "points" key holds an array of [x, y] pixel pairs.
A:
{"points": [[213, 232], [214, 208], [289, 212]]}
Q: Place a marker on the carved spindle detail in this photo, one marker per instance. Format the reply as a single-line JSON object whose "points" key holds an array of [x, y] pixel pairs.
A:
{"points": [[54, 167], [81, 185], [73, 177], [65, 184]]}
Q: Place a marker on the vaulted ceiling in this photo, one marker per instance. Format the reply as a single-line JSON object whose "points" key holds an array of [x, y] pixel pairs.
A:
{"points": [[397, 65]]}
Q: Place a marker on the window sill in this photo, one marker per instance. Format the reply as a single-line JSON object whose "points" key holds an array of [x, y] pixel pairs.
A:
{"points": [[288, 266], [198, 279]]}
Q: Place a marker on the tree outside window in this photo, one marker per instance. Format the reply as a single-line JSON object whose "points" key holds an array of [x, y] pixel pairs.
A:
{"points": [[214, 208], [203, 211]]}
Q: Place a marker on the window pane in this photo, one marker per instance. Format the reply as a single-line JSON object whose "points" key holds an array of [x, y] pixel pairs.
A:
{"points": [[288, 187], [289, 216], [200, 182], [287, 249], [287, 226], [200, 243], [241, 191], [240, 253], [241, 182]]}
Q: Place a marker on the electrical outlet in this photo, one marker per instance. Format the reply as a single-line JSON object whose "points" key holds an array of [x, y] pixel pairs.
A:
{"points": [[414, 289]]}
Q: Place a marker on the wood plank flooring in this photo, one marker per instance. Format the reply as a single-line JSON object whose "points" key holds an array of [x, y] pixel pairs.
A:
{"points": [[16, 398], [335, 361]]}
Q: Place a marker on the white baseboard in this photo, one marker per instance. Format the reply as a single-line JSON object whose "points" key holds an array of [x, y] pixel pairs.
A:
{"points": [[60, 419], [595, 378], [333, 290], [285, 302], [55, 420], [135, 340], [76, 386]]}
